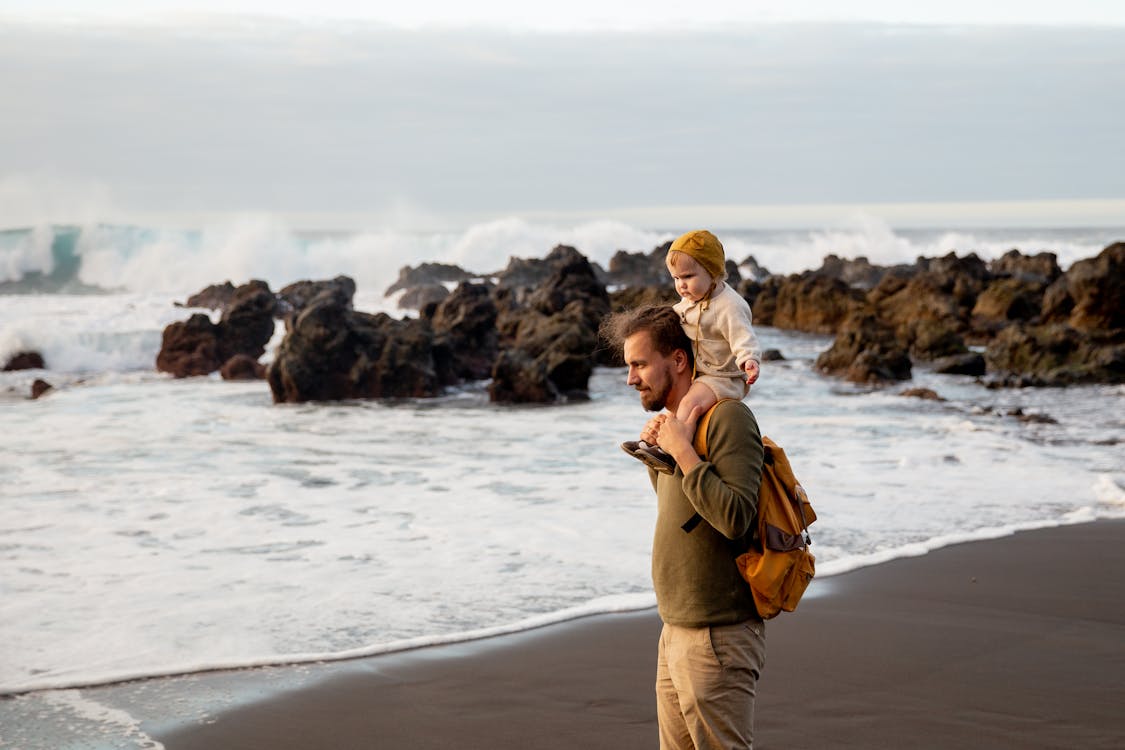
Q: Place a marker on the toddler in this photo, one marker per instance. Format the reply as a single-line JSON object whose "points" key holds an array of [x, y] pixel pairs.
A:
{"points": [[719, 323]]}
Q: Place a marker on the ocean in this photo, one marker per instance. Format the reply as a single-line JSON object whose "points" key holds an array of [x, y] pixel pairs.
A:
{"points": [[153, 526]]}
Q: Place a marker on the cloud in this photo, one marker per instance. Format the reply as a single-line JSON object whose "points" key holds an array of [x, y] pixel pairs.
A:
{"points": [[40, 198], [296, 117]]}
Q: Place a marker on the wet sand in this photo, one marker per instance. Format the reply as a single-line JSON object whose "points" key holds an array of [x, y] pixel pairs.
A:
{"points": [[1016, 642]]}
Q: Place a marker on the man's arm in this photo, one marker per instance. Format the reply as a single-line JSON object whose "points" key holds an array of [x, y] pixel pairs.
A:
{"points": [[724, 488]]}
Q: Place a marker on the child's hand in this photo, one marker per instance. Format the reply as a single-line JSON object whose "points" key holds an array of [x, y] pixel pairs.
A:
{"points": [[752, 369]]}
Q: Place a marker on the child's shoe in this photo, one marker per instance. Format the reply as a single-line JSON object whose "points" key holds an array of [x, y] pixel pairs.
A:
{"points": [[651, 455]]}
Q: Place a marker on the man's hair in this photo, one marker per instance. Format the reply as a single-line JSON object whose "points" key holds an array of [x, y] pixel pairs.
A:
{"points": [[661, 322]]}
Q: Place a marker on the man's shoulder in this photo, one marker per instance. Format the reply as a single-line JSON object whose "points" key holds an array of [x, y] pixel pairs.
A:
{"points": [[734, 416]]}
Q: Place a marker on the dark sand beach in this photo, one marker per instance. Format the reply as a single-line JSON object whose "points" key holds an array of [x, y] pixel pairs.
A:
{"points": [[1016, 642]]}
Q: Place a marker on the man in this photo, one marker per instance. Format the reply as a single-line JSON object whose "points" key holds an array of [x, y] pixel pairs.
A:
{"points": [[712, 646]]}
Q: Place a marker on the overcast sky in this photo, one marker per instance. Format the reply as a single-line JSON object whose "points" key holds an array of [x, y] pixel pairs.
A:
{"points": [[522, 110]]}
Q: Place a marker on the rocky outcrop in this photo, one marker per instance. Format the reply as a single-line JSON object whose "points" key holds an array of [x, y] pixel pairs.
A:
{"points": [[532, 328], [1006, 300], [1042, 268], [630, 297], [40, 388], [1073, 332], [631, 270], [296, 296], [214, 297], [418, 297], [944, 292], [751, 270], [25, 361], [866, 351], [926, 394], [807, 302], [242, 367], [1091, 295], [331, 352], [533, 333], [858, 273], [528, 273], [199, 347], [465, 334], [426, 283], [190, 347], [969, 363], [549, 340], [1057, 354], [247, 324]]}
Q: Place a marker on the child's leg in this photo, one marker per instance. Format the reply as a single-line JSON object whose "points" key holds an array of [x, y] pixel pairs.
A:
{"points": [[699, 395]]}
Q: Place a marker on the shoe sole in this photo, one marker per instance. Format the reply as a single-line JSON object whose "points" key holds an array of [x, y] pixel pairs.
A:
{"points": [[649, 460]]}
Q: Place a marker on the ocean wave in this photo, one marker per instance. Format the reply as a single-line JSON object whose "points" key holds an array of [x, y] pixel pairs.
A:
{"points": [[70, 259]]}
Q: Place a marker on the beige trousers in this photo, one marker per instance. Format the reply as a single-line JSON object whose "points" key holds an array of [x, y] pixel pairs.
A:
{"points": [[705, 684]]}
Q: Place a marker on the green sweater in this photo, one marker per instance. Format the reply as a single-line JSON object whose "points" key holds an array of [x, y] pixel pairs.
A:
{"points": [[696, 580]]}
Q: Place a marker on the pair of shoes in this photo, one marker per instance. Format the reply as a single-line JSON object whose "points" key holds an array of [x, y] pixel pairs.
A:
{"points": [[652, 456]]}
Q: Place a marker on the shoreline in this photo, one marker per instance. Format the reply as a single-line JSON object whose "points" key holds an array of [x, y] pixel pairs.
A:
{"points": [[825, 571], [1014, 641]]}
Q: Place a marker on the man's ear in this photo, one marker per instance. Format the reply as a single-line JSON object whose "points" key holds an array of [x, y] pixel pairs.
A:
{"points": [[680, 358]]}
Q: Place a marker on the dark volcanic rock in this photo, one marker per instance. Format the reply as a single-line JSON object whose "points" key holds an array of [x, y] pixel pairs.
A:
{"points": [[331, 352], [1058, 354], [555, 330], [242, 367], [1041, 269], [190, 347], [428, 274], [465, 331], [1006, 300], [969, 363], [214, 297], [426, 284], [927, 394], [866, 351], [518, 378], [858, 272], [631, 270], [806, 302], [930, 339], [418, 297], [294, 297], [1090, 296], [199, 347], [572, 279], [40, 387], [25, 361], [932, 296], [247, 324], [530, 272], [630, 297], [1032, 418], [754, 270]]}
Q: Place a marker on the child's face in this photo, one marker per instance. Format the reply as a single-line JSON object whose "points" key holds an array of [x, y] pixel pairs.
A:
{"points": [[691, 280]]}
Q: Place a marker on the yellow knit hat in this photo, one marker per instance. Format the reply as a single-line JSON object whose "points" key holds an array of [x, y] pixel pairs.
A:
{"points": [[705, 248]]}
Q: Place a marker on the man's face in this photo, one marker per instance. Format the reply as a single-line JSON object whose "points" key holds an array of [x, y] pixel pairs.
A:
{"points": [[650, 372]]}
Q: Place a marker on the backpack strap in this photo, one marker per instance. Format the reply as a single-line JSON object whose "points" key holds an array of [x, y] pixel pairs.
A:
{"points": [[700, 445], [700, 441]]}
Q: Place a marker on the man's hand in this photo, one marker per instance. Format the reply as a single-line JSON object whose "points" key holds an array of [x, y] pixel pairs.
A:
{"points": [[752, 370], [676, 437], [651, 431]]}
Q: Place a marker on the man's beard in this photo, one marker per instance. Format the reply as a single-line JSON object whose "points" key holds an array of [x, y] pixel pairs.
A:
{"points": [[654, 399]]}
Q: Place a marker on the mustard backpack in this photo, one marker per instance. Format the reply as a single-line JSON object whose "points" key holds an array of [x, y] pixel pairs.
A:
{"points": [[778, 566]]}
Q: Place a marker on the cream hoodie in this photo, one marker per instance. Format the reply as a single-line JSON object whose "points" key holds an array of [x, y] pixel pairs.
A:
{"points": [[721, 327]]}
